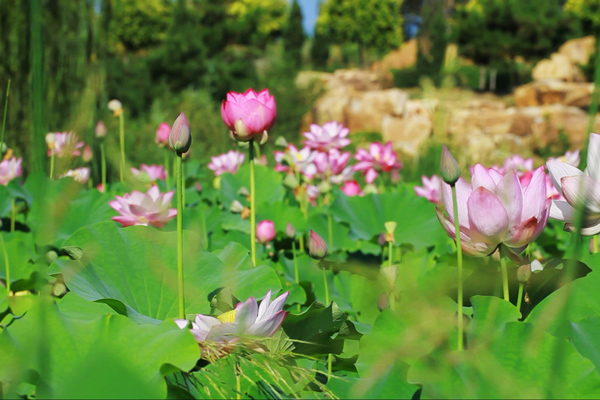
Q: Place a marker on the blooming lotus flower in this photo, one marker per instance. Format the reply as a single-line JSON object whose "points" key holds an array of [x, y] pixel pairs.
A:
{"points": [[79, 174], [578, 186], [10, 169], [379, 158], [227, 162], [250, 114], [265, 231], [149, 173], [330, 135], [431, 190], [334, 163], [248, 319], [496, 209], [162, 134], [296, 160], [351, 188], [63, 144], [139, 208]]}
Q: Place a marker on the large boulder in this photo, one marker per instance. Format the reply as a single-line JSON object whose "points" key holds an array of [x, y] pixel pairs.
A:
{"points": [[559, 66], [406, 134], [579, 50], [554, 91], [366, 110]]}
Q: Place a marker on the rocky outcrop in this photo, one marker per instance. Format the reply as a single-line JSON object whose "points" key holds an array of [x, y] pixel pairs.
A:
{"points": [[554, 91], [564, 65]]}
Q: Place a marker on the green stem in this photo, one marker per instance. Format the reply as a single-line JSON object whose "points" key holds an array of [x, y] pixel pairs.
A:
{"points": [[595, 244], [179, 172], [504, 279], [6, 265], [296, 276], [203, 222], [326, 286], [329, 365], [238, 382], [390, 253], [330, 232], [520, 296], [252, 203], [52, 163], [168, 179], [103, 165], [122, 142], [460, 270], [13, 215], [301, 243], [4, 119]]}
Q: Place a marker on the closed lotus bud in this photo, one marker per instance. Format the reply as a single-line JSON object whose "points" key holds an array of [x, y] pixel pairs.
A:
{"points": [[383, 302], [87, 154], [180, 139], [317, 248], [3, 148], [198, 187], [265, 231], [290, 231], [100, 130], [449, 167], [523, 273], [236, 207], [390, 273], [381, 239]]}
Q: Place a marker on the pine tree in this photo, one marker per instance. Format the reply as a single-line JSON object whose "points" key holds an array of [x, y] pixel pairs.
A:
{"points": [[293, 35]]}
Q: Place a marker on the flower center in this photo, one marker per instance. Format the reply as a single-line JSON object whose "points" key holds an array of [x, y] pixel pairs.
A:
{"points": [[229, 316]]}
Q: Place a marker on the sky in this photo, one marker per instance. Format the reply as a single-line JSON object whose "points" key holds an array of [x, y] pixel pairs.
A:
{"points": [[310, 11]]}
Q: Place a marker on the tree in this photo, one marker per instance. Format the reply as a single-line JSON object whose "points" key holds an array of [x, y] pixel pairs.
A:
{"points": [[293, 34], [373, 24], [432, 41]]}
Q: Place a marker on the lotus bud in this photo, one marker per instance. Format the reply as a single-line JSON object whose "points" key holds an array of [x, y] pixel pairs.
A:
{"points": [[265, 231], [246, 213], [236, 207], [59, 289], [381, 240], [87, 154], [383, 302], [101, 130], [449, 167], [290, 231], [523, 273], [281, 142], [180, 139], [3, 148], [390, 273], [317, 248], [198, 187]]}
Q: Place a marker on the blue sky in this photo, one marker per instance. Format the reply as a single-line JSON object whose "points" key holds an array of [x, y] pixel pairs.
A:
{"points": [[310, 11]]}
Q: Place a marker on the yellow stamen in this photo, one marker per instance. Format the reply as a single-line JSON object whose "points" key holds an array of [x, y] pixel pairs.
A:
{"points": [[229, 316]]}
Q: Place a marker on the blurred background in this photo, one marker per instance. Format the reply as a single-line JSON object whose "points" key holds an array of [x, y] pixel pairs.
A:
{"points": [[488, 77]]}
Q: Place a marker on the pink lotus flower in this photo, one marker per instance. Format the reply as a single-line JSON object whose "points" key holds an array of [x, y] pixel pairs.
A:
{"points": [[87, 154], [334, 163], [312, 192], [431, 190], [265, 231], [351, 188], [79, 174], [149, 173], [101, 188], [140, 208], [100, 130], [331, 135], [578, 187], [250, 114], [10, 169], [162, 134], [496, 209], [63, 144], [379, 158], [248, 319], [227, 162], [293, 160]]}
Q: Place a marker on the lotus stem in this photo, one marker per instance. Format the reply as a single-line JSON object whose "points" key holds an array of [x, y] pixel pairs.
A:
{"points": [[4, 118], [390, 250], [326, 286], [52, 163], [122, 142], [504, 279], [6, 265], [296, 276], [330, 231], [203, 222], [179, 172], [13, 215], [301, 243], [103, 164], [252, 203], [168, 178], [460, 270], [520, 296]]}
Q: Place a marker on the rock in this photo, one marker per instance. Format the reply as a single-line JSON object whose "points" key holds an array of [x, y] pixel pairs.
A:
{"points": [[559, 66], [406, 134], [554, 91], [358, 80], [331, 106], [366, 110], [579, 50], [403, 57]]}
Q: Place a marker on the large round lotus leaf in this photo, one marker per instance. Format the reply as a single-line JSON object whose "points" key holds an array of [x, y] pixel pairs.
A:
{"points": [[134, 270]]}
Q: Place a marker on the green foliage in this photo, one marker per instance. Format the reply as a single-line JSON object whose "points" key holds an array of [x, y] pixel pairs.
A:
{"points": [[432, 42], [293, 35]]}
